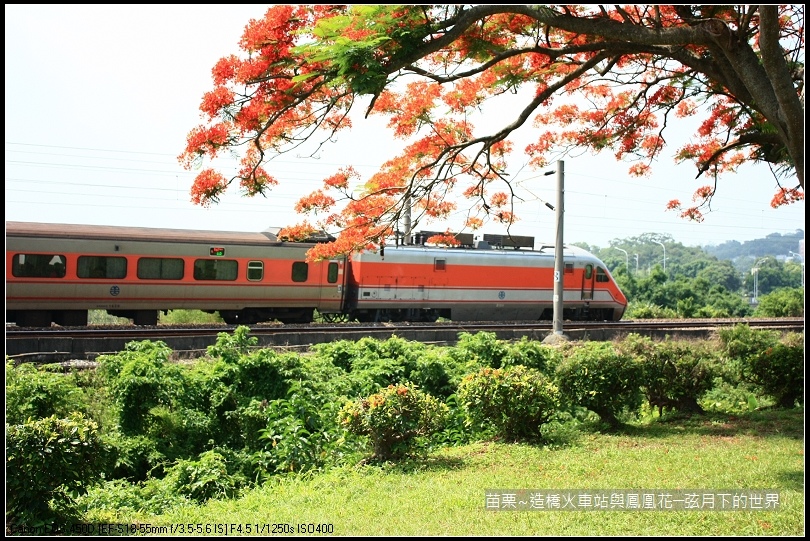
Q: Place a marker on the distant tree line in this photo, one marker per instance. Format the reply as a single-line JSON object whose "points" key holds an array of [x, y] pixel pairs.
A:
{"points": [[774, 244], [664, 278]]}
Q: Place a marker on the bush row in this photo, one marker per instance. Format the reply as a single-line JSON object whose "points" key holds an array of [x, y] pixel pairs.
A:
{"points": [[143, 433]]}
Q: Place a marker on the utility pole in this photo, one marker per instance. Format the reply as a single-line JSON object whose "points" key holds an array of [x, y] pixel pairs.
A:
{"points": [[406, 221], [559, 262]]}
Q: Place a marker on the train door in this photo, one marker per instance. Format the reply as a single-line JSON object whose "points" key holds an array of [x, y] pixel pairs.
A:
{"points": [[332, 286], [588, 279]]}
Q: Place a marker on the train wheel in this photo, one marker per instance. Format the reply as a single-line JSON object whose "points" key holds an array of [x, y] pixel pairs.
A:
{"points": [[335, 318]]}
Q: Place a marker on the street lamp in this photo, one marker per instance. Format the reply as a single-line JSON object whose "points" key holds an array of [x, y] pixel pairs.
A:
{"points": [[626, 259], [559, 264], [755, 272], [665, 253], [636, 256]]}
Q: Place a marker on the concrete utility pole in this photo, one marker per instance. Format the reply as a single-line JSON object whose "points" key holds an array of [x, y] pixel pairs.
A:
{"points": [[406, 221], [559, 262]]}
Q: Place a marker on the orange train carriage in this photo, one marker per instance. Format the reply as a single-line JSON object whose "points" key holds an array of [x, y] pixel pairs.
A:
{"points": [[57, 272]]}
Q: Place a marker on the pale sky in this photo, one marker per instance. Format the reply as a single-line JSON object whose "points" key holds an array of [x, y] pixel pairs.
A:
{"points": [[99, 100]]}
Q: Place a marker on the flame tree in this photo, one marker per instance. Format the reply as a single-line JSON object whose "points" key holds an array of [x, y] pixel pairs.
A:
{"points": [[634, 70]]}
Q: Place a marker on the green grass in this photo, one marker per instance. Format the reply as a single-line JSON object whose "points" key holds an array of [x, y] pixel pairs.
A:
{"points": [[444, 493]]}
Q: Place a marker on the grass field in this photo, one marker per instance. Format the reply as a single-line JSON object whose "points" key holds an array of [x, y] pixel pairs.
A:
{"points": [[444, 493]]}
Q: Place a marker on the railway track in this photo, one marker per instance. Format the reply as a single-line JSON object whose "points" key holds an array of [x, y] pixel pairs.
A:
{"points": [[57, 344]]}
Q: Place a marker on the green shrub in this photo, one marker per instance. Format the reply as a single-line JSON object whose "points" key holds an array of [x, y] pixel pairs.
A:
{"points": [[393, 418], [135, 458], [781, 302], [741, 341], [33, 393], [139, 379], [648, 310], [48, 463], [596, 376], [340, 353], [205, 478], [767, 360], [779, 372], [675, 374], [431, 373], [726, 397], [455, 430], [406, 352], [231, 346], [374, 364], [179, 432], [480, 349], [514, 401], [301, 432], [265, 375], [532, 354], [370, 374]]}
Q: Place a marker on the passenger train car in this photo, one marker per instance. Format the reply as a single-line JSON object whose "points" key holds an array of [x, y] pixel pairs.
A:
{"points": [[55, 273]]}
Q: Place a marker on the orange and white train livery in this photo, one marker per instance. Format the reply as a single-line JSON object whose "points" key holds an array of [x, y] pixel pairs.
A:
{"points": [[55, 273]]}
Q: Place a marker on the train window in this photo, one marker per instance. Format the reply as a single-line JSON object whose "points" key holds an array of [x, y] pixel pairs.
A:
{"points": [[569, 268], [601, 275], [332, 272], [38, 266], [588, 272], [255, 271], [300, 271], [92, 266], [439, 264], [215, 269], [160, 268]]}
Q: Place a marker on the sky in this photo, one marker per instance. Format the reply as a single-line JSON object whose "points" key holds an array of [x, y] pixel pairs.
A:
{"points": [[100, 99]]}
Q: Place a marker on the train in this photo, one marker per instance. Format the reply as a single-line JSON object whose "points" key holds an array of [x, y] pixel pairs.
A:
{"points": [[56, 273]]}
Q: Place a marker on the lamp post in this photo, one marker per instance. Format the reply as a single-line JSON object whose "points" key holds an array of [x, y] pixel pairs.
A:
{"points": [[559, 264], [626, 259], [755, 272], [636, 256], [665, 253]]}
